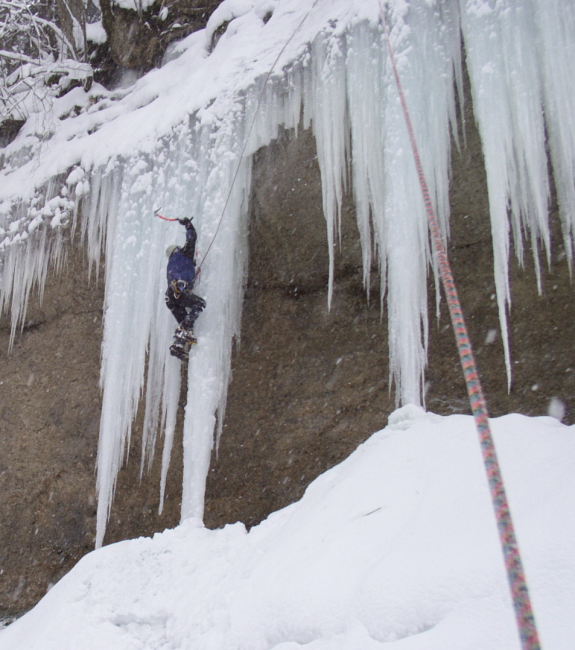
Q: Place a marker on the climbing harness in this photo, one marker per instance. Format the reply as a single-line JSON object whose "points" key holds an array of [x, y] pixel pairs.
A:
{"points": [[513, 564]]}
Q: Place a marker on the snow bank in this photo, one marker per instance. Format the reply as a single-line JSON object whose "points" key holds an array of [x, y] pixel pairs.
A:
{"points": [[396, 547]]}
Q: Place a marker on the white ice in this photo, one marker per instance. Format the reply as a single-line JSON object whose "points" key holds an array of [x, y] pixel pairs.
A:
{"points": [[99, 163]]}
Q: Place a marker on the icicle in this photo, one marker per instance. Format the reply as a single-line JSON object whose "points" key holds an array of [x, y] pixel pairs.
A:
{"points": [[33, 240], [385, 181], [507, 97], [222, 282], [137, 324], [555, 20], [326, 108], [365, 66], [335, 73]]}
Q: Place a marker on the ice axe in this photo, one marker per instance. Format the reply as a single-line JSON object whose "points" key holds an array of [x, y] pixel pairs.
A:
{"points": [[157, 214]]}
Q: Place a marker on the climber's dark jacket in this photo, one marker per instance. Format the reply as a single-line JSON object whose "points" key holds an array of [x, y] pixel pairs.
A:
{"points": [[181, 272]]}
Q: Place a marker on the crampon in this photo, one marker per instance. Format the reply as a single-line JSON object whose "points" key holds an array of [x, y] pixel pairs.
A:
{"points": [[183, 341]]}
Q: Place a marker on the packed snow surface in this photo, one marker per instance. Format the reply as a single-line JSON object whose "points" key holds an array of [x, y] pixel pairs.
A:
{"points": [[396, 547]]}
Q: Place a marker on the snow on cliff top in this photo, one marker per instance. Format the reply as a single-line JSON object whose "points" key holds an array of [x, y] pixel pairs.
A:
{"points": [[90, 128], [396, 547]]}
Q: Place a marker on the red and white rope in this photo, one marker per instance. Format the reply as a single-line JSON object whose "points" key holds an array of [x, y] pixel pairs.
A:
{"points": [[515, 574]]}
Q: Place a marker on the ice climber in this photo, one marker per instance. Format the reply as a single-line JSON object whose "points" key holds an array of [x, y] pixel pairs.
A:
{"points": [[180, 299]]}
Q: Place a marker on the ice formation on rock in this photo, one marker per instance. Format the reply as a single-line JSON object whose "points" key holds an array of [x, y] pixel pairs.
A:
{"points": [[180, 135]]}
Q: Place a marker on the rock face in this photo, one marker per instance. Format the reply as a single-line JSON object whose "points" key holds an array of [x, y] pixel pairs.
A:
{"points": [[49, 408], [138, 39], [49, 422], [308, 386]]}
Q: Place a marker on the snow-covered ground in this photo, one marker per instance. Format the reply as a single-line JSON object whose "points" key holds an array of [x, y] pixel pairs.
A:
{"points": [[396, 547]]}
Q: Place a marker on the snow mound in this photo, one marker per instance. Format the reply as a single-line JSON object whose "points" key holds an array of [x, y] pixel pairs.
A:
{"points": [[396, 547]]}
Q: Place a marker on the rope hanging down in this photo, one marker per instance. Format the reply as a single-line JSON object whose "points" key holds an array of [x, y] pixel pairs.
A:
{"points": [[514, 566], [296, 30]]}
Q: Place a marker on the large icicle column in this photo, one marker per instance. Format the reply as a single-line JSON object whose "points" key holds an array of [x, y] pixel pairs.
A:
{"points": [[517, 53], [180, 136], [325, 84]]}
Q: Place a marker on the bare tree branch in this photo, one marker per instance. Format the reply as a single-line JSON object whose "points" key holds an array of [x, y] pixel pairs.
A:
{"points": [[40, 57]]}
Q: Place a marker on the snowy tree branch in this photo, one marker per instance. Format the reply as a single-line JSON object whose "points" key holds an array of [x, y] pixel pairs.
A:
{"points": [[39, 57]]}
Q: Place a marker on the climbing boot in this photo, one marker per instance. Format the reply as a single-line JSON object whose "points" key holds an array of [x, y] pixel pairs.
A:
{"points": [[183, 341], [180, 350]]}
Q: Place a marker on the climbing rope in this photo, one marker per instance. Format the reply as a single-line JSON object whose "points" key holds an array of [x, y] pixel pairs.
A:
{"points": [[242, 154], [513, 564], [251, 128], [515, 573]]}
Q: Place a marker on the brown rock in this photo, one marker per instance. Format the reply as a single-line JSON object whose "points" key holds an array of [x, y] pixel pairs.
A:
{"points": [[138, 39]]}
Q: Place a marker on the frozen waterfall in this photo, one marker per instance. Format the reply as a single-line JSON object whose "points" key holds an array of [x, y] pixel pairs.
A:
{"points": [[182, 139]]}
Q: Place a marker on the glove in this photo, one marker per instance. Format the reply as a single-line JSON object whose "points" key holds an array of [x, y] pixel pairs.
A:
{"points": [[185, 222]]}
